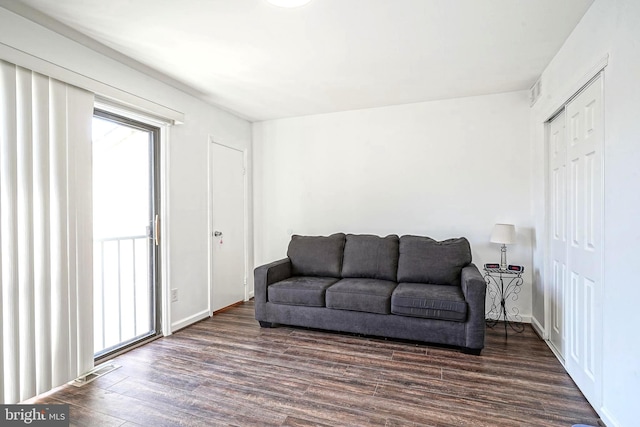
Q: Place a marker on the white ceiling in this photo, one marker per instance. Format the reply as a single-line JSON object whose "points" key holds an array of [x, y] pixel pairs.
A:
{"points": [[264, 62]]}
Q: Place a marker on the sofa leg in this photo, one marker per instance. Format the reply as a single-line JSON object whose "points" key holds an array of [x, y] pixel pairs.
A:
{"points": [[265, 324], [472, 351]]}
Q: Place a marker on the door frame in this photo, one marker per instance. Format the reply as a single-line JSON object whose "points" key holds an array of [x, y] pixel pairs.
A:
{"points": [[595, 73], [211, 217], [581, 84], [163, 208], [569, 91], [155, 303]]}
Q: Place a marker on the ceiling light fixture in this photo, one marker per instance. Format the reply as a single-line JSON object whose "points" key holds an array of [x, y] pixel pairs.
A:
{"points": [[288, 3]]}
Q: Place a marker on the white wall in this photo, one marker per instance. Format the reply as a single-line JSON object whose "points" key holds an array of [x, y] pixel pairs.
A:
{"points": [[188, 155], [610, 27], [441, 169]]}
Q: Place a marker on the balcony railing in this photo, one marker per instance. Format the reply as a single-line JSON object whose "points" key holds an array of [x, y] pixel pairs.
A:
{"points": [[123, 292]]}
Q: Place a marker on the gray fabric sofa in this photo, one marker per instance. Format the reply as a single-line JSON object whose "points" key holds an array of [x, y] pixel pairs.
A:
{"points": [[408, 287]]}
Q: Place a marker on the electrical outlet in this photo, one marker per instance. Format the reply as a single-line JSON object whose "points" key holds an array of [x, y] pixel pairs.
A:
{"points": [[174, 295]]}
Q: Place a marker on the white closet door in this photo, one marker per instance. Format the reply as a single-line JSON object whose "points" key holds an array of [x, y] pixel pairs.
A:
{"points": [[585, 135], [558, 235], [228, 278]]}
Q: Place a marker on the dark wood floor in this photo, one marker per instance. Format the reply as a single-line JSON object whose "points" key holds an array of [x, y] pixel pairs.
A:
{"points": [[226, 371]]}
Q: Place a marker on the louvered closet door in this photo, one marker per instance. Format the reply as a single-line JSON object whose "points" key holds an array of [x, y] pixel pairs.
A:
{"points": [[585, 134]]}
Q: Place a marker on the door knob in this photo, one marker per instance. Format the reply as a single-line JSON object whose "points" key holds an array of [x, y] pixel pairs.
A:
{"points": [[217, 233]]}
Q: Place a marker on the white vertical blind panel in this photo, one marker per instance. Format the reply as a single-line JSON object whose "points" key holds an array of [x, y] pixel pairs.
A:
{"points": [[59, 226], [71, 233], [3, 139], [46, 266], [1, 281], [83, 101], [25, 234], [8, 223], [41, 226]]}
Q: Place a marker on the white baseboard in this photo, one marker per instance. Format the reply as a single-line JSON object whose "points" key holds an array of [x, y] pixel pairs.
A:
{"points": [[250, 295], [183, 323], [538, 328], [607, 418]]}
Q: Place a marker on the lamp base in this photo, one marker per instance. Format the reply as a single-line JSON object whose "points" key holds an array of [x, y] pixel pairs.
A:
{"points": [[503, 257]]}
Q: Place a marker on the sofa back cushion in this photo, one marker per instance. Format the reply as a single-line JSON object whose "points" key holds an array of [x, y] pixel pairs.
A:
{"points": [[371, 257], [424, 260], [318, 256]]}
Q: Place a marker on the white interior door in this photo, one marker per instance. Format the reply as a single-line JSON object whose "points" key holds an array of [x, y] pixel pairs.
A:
{"points": [[585, 135], [228, 225], [558, 228]]}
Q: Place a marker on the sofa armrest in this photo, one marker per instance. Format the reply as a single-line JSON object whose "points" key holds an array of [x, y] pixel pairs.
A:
{"points": [[474, 289], [264, 276]]}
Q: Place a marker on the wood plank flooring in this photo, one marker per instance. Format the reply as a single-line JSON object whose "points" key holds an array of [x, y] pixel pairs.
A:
{"points": [[227, 371]]}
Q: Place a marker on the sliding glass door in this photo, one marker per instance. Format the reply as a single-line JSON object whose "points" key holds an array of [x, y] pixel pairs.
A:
{"points": [[125, 223]]}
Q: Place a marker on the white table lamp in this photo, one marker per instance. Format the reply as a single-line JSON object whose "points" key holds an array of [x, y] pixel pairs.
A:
{"points": [[505, 234]]}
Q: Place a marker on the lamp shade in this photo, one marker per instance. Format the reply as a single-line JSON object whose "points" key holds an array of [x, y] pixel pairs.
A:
{"points": [[503, 233]]}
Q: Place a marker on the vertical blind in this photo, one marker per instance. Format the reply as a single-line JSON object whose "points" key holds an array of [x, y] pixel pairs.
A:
{"points": [[46, 298]]}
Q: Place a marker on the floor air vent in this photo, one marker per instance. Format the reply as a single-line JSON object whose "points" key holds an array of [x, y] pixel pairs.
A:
{"points": [[94, 374]]}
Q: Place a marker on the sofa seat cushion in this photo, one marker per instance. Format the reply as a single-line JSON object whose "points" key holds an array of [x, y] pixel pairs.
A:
{"points": [[372, 257], [307, 291], [429, 301], [369, 295], [424, 260], [319, 256]]}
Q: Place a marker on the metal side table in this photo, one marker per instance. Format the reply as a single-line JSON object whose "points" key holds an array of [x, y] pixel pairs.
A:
{"points": [[504, 285]]}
